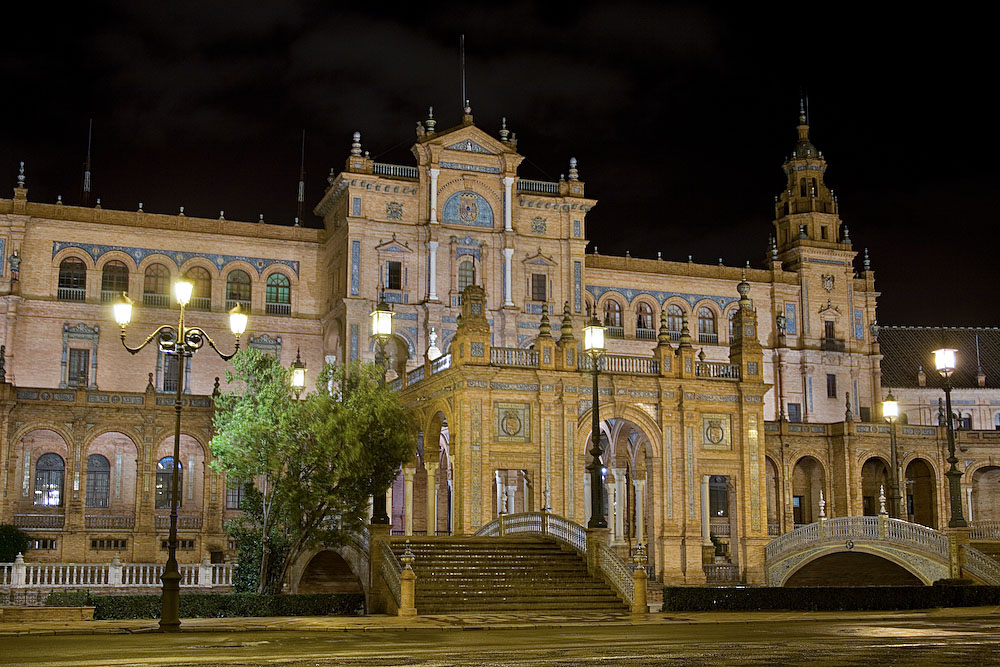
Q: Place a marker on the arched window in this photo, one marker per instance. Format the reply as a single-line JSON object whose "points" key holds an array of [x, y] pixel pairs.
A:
{"points": [[156, 286], [278, 295], [98, 481], [815, 188], [612, 315], [675, 320], [72, 280], [49, 472], [803, 188], [201, 295], [644, 321], [114, 280], [238, 290], [164, 473], [707, 333], [466, 275]]}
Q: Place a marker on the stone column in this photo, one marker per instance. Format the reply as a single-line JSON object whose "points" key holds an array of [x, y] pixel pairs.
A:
{"points": [[612, 501], [511, 491], [586, 498], [508, 295], [498, 483], [968, 502], [408, 473], [508, 214], [370, 512], [388, 505], [524, 491], [620, 496], [434, 195], [432, 270], [640, 489], [706, 534], [431, 498]]}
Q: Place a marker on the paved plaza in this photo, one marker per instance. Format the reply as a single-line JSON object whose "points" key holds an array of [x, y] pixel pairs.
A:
{"points": [[936, 637]]}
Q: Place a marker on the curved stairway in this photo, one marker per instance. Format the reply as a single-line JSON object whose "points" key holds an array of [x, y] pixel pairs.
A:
{"points": [[498, 575]]}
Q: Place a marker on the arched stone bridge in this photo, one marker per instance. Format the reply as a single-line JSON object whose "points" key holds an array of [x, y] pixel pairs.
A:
{"points": [[925, 553]]}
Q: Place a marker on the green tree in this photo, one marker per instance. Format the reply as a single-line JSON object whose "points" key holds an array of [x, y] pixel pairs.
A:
{"points": [[312, 462], [13, 541]]}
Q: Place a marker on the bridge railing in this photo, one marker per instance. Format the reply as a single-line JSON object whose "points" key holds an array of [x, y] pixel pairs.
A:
{"points": [[390, 569], [537, 523], [875, 528], [617, 573], [982, 566], [984, 530]]}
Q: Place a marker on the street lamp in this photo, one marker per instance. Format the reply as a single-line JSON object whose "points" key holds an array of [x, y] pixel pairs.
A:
{"points": [[593, 345], [182, 342], [381, 319], [890, 410], [944, 362], [298, 375]]}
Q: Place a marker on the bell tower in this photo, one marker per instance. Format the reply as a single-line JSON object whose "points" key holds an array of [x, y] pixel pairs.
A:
{"points": [[806, 211]]}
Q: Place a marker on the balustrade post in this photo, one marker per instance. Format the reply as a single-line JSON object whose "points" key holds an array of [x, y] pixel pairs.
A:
{"points": [[115, 572], [20, 571], [502, 526], [205, 572], [407, 585]]}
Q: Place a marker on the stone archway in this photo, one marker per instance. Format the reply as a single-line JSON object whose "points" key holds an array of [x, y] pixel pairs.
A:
{"points": [[773, 497], [986, 494], [875, 477], [341, 570], [921, 493], [808, 482]]}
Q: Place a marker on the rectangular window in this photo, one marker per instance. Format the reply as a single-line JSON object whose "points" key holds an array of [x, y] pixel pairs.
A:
{"points": [[538, 286], [797, 503], [169, 372], [42, 544], [79, 360], [234, 494], [828, 331], [794, 412], [182, 545], [866, 414], [108, 545], [822, 232], [394, 275], [831, 385]]}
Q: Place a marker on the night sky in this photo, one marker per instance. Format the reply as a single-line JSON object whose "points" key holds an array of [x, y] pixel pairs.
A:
{"points": [[680, 116]]}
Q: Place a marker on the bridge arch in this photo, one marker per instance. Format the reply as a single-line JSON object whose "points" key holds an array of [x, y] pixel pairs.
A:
{"points": [[331, 570], [869, 570]]}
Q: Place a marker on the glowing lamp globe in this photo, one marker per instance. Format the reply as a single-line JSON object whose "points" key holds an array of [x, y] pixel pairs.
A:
{"points": [[182, 291], [944, 361], [890, 408], [593, 337], [382, 321], [123, 310], [237, 320]]}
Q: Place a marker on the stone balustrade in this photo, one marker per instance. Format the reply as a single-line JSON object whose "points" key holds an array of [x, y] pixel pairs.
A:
{"points": [[110, 575]]}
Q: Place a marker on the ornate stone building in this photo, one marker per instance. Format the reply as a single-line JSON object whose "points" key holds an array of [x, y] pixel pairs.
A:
{"points": [[734, 394]]}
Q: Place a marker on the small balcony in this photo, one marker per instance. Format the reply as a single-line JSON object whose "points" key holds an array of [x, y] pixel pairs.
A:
{"points": [[645, 334], [708, 338], [184, 522], [55, 521], [109, 295], [156, 300], [71, 294], [244, 304], [616, 332], [200, 303], [832, 344], [282, 309], [109, 521]]}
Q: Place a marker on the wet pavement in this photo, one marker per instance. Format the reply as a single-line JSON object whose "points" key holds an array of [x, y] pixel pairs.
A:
{"points": [[938, 637]]}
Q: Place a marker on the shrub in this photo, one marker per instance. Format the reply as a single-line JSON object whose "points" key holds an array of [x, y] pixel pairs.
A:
{"points": [[860, 598], [69, 599], [228, 605], [13, 541]]}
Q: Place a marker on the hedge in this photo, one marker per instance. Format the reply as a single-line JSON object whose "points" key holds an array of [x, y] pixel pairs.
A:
{"points": [[214, 605], [859, 598]]}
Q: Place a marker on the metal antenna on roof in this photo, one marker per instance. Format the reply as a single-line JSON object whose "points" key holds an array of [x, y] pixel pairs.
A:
{"points": [[86, 166], [461, 50], [302, 179]]}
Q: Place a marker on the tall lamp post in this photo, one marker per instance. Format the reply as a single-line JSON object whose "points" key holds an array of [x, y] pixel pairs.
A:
{"points": [[181, 342], [890, 411], [593, 345], [381, 319], [944, 361]]}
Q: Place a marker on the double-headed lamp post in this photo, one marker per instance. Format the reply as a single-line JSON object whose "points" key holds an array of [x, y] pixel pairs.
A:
{"points": [[593, 345], [890, 411], [944, 362], [182, 342], [381, 319]]}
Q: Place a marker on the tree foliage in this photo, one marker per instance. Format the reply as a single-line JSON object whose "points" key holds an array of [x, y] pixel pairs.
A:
{"points": [[312, 462], [13, 541]]}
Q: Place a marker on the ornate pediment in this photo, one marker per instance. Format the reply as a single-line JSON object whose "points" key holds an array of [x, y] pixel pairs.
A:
{"points": [[469, 146], [393, 246], [539, 259]]}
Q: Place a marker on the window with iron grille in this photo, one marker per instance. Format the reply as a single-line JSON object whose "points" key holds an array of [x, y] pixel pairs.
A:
{"points": [[538, 281], [79, 367], [98, 481], [394, 275]]}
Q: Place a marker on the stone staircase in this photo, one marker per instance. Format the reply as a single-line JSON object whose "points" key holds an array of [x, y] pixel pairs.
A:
{"points": [[991, 549], [501, 575]]}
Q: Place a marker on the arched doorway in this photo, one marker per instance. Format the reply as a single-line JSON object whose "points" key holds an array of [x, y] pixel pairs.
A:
{"points": [[808, 481], [874, 478], [773, 497], [328, 572], [986, 494], [921, 493]]}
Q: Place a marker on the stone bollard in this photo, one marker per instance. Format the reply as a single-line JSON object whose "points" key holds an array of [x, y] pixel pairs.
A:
{"points": [[639, 605], [115, 572], [19, 575], [205, 572], [407, 585]]}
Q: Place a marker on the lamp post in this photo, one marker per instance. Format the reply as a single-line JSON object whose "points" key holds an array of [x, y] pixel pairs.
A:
{"points": [[890, 411], [381, 319], [182, 342], [298, 374], [593, 345], [944, 361]]}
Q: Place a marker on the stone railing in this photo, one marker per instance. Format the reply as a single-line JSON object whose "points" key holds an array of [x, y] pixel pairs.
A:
{"points": [[416, 375], [541, 187], [622, 363], [110, 575], [39, 520], [617, 573], [717, 370], [390, 569], [984, 530], [645, 334], [721, 573], [395, 170], [110, 521], [396, 384], [537, 523], [773, 529], [440, 364], [876, 528], [184, 522], [982, 566], [513, 356]]}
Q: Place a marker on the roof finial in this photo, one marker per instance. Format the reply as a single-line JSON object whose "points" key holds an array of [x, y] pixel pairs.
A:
{"points": [[356, 144], [330, 177], [868, 263], [86, 166], [430, 123], [574, 174], [20, 175], [803, 119], [301, 200], [504, 132]]}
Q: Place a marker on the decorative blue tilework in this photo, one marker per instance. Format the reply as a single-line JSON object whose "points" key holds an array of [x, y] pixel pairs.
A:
{"points": [[527, 325], [396, 297], [790, 325], [577, 278], [474, 252], [524, 340], [355, 268], [805, 307], [3, 255], [470, 167], [533, 308], [467, 208], [857, 401], [405, 316], [630, 295], [817, 260], [449, 319], [356, 206], [179, 257], [859, 324], [446, 336], [576, 229], [809, 383], [354, 342]]}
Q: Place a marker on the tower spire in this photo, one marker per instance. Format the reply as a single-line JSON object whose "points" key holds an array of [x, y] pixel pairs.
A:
{"points": [[461, 55], [86, 165], [302, 182]]}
